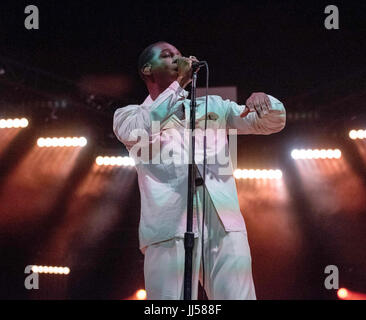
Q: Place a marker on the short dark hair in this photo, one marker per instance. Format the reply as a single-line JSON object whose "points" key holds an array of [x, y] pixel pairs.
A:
{"points": [[145, 56]]}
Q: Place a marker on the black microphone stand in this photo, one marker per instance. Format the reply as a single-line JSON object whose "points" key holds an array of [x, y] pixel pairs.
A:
{"points": [[189, 235]]}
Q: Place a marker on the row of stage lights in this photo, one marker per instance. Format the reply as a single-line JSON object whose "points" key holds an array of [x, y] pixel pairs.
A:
{"points": [[51, 270], [316, 154], [13, 123], [115, 161], [62, 142], [357, 134]]}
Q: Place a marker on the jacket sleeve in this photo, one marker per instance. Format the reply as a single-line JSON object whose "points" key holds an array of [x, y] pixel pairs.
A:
{"points": [[272, 122], [133, 120]]}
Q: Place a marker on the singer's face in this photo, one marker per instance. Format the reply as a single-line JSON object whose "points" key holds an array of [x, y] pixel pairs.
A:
{"points": [[163, 69]]}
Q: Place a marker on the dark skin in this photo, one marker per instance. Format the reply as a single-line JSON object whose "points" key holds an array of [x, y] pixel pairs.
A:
{"points": [[168, 65]]}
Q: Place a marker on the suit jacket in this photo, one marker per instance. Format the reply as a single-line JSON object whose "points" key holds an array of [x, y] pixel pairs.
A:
{"points": [[156, 132]]}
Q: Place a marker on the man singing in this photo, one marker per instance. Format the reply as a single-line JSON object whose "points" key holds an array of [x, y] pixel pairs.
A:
{"points": [[164, 184]]}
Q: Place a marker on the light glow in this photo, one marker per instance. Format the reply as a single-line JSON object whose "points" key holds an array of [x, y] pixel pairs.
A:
{"points": [[62, 142], [50, 269], [357, 134], [141, 294], [316, 154], [13, 123], [114, 161], [257, 174]]}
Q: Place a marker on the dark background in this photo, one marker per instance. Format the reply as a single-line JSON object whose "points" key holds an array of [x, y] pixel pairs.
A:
{"points": [[277, 46]]}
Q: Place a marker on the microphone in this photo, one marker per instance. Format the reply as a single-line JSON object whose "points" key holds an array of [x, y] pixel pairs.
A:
{"points": [[196, 65]]}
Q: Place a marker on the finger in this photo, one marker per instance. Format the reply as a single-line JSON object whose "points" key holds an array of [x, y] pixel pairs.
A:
{"points": [[268, 103], [193, 58], [257, 113], [250, 105], [257, 102], [245, 112], [265, 104], [264, 107]]}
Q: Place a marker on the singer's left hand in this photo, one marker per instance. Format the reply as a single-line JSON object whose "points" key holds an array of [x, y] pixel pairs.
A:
{"points": [[259, 102]]}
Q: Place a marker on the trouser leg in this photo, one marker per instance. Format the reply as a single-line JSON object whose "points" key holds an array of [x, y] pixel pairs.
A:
{"points": [[164, 270], [228, 271], [227, 260], [164, 267]]}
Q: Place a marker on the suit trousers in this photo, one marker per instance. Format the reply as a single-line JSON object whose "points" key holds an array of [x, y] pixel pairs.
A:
{"points": [[227, 261]]}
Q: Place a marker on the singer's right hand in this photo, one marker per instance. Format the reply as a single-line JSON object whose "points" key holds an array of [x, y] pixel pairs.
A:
{"points": [[184, 68]]}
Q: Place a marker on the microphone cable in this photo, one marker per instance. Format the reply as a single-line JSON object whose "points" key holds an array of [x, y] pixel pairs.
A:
{"points": [[204, 183]]}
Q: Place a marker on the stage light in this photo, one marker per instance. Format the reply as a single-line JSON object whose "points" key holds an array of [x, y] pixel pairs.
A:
{"points": [[99, 160], [316, 154], [257, 174], [337, 153], [114, 161], [237, 174], [342, 293], [50, 269], [141, 294], [357, 134], [62, 142], [13, 123], [82, 141]]}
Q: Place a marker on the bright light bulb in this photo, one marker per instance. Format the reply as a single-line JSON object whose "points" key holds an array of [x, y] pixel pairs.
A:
{"points": [[83, 141], [61, 141], [237, 174], [141, 294], [107, 161], [54, 142], [342, 293], [99, 160], [16, 123], [337, 153], [125, 161], [75, 142], [68, 142], [113, 160], [352, 134], [48, 142], [119, 161], [40, 142], [24, 122]]}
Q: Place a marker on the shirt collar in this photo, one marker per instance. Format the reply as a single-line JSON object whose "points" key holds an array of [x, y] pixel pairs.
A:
{"points": [[148, 101], [183, 94]]}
